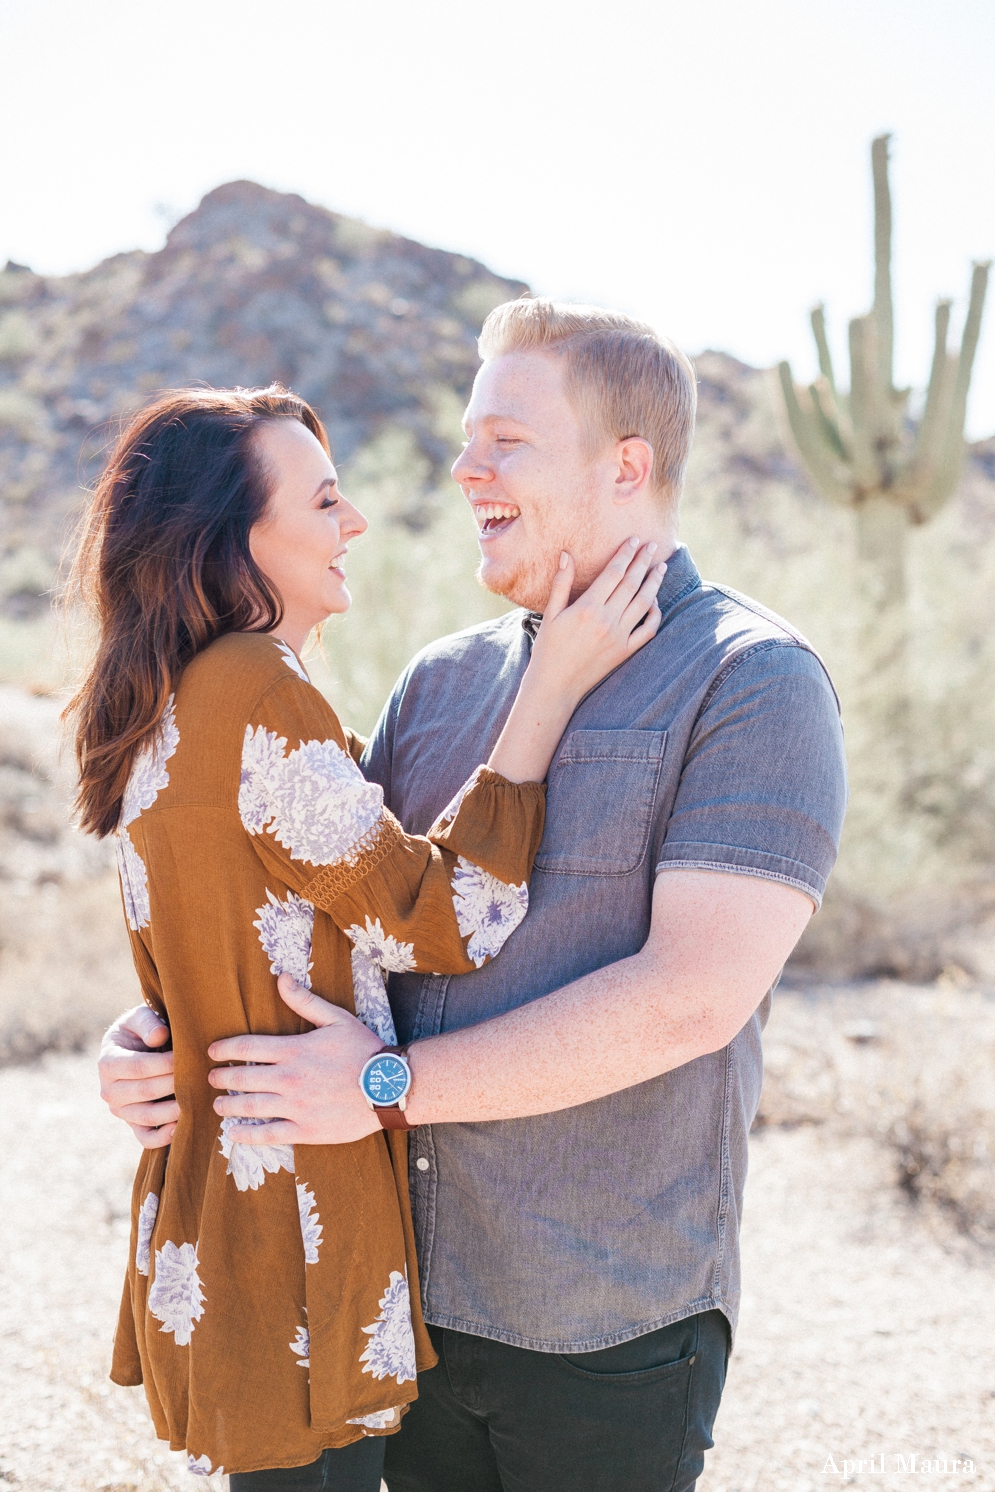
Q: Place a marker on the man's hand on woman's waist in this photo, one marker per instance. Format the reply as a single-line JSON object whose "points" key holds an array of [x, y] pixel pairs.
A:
{"points": [[307, 1086], [136, 1080], [297, 1084]]}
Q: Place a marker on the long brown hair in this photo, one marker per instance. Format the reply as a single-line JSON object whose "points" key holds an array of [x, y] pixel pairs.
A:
{"points": [[164, 564]]}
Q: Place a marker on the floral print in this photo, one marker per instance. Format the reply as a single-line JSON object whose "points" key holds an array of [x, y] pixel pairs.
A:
{"points": [[390, 1352], [315, 801], [285, 929], [310, 1223], [449, 813], [249, 1164], [146, 1222], [202, 1466], [263, 760], [134, 881], [375, 951], [382, 948], [176, 1297], [291, 659], [148, 774], [381, 1419], [369, 994], [301, 1346], [146, 781], [487, 908]]}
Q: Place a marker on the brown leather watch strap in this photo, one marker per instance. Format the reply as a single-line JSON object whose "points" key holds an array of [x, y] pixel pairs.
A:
{"points": [[390, 1116]]}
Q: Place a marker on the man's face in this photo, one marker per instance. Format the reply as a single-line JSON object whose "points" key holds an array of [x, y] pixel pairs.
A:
{"points": [[527, 471]]}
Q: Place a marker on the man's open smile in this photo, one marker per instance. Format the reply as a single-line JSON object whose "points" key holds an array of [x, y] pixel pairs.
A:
{"points": [[494, 518]]}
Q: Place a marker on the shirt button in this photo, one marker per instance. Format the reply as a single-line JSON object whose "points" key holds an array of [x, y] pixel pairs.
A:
{"points": [[421, 1163]]}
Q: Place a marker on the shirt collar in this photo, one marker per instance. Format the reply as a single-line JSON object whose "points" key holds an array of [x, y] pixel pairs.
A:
{"points": [[681, 578]]}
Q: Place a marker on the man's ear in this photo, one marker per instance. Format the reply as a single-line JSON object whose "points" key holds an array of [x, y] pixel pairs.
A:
{"points": [[634, 458]]}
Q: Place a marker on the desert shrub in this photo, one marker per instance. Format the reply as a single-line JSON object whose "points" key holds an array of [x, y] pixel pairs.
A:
{"points": [[65, 965], [21, 414], [949, 1169], [17, 336], [911, 1067]]}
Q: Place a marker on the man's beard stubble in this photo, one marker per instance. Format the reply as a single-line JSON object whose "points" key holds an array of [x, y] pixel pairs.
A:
{"points": [[527, 584], [527, 581]]}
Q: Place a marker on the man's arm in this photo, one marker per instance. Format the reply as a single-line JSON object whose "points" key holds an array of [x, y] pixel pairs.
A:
{"points": [[716, 944], [136, 1080]]}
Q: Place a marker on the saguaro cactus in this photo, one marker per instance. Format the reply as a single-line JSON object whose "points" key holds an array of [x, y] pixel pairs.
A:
{"points": [[860, 448]]}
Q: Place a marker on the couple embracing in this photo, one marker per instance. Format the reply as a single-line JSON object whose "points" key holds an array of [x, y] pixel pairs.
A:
{"points": [[444, 1162]]}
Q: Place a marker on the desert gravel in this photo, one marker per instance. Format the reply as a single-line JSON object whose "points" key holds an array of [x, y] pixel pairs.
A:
{"points": [[865, 1330]]}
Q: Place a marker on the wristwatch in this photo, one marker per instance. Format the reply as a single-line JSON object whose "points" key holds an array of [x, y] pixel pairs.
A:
{"points": [[385, 1080]]}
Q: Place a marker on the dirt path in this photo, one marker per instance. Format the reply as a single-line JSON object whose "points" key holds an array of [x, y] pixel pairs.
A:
{"points": [[65, 1184], [863, 1332]]}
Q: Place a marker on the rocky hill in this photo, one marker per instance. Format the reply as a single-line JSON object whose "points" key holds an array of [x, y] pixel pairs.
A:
{"points": [[253, 286]]}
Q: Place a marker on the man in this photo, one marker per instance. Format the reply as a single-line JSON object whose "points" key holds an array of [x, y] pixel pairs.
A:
{"points": [[582, 1103]]}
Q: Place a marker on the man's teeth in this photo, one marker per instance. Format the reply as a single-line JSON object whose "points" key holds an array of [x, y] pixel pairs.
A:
{"points": [[488, 511]]}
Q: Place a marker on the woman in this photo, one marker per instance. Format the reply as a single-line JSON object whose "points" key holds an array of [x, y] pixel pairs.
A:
{"points": [[271, 1305]]}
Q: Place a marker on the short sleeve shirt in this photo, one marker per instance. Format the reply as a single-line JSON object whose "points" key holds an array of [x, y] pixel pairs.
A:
{"points": [[718, 746]]}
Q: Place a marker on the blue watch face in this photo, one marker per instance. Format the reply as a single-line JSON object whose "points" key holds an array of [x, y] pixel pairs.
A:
{"points": [[386, 1079]]}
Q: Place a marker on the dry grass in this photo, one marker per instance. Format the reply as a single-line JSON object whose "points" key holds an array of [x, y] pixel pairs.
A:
{"points": [[911, 1068], [65, 965]]}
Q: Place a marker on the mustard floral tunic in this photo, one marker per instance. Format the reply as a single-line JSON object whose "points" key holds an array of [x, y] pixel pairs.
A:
{"points": [[271, 1305]]}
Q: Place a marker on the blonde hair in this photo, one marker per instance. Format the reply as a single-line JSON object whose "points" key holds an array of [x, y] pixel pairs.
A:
{"points": [[627, 380]]}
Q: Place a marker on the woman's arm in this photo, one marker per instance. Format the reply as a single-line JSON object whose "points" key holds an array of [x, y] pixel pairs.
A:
{"points": [[716, 944], [444, 903], [577, 646]]}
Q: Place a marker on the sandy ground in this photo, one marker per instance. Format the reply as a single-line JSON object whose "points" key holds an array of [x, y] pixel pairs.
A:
{"points": [[865, 1331]]}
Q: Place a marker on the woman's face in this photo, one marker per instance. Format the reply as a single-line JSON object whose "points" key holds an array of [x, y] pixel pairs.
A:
{"points": [[300, 542]]}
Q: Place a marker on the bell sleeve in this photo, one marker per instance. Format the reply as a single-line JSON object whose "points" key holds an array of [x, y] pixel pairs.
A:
{"points": [[443, 903]]}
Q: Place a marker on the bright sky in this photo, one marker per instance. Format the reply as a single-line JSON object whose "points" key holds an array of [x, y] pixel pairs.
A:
{"points": [[703, 164]]}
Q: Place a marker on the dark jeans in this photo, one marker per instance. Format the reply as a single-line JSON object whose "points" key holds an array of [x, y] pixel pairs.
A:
{"points": [[354, 1468], [633, 1418]]}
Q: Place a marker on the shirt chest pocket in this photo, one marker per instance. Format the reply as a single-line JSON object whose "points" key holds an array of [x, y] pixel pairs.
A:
{"points": [[600, 799]]}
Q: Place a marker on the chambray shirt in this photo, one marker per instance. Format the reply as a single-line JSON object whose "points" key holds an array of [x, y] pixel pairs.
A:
{"points": [[718, 746]]}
